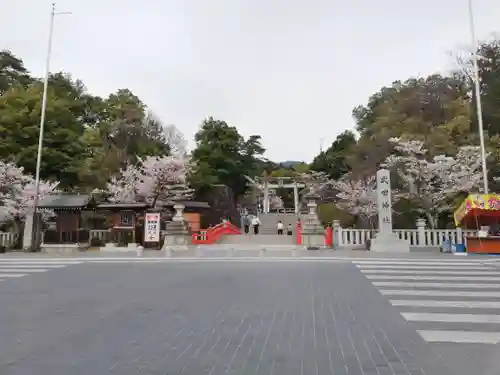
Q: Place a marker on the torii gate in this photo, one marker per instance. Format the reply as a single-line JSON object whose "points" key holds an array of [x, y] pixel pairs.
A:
{"points": [[268, 183]]}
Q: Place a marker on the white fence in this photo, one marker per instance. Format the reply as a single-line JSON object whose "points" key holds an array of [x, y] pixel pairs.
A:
{"points": [[416, 237], [347, 237], [6, 239]]}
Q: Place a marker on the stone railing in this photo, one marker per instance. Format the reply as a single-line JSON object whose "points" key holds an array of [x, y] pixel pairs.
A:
{"points": [[421, 236], [6, 239], [102, 234]]}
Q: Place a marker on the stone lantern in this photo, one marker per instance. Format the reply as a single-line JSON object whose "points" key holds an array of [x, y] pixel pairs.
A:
{"points": [[177, 236], [313, 233]]}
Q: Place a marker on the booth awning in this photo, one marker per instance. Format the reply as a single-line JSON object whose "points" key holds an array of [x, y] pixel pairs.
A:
{"points": [[478, 209]]}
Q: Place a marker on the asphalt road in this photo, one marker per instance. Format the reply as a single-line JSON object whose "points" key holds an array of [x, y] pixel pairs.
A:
{"points": [[216, 318]]}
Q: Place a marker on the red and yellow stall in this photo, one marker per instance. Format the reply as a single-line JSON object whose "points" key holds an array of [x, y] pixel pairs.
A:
{"points": [[476, 211]]}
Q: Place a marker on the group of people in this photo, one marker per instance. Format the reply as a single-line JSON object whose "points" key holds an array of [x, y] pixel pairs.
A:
{"points": [[280, 227], [254, 222]]}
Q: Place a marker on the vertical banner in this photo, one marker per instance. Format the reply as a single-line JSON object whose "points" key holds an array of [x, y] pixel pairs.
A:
{"points": [[152, 227]]}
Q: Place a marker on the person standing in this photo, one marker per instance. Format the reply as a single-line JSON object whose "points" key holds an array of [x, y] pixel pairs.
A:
{"points": [[280, 227], [255, 224], [246, 223]]}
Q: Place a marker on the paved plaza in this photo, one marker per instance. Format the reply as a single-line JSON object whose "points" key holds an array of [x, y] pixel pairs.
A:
{"points": [[341, 315]]}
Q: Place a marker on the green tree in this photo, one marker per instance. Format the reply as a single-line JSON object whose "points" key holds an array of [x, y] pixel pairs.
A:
{"points": [[412, 108], [223, 156], [333, 161], [63, 149], [130, 128], [12, 71], [119, 131]]}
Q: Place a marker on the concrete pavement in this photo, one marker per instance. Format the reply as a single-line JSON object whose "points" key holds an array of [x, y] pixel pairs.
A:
{"points": [[229, 317]]}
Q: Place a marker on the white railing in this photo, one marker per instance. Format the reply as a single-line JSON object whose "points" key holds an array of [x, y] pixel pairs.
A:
{"points": [[102, 234], [6, 239], [416, 237]]}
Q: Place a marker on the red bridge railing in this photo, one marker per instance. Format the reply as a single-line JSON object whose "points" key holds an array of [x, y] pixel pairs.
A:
{"points": [[211, 235]]}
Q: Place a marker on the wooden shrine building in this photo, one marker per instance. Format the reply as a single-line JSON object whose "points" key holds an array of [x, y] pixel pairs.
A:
{"points": [[77, 214]]}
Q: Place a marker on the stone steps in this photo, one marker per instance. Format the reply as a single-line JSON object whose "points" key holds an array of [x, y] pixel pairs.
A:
{"points": [[260, 239]]}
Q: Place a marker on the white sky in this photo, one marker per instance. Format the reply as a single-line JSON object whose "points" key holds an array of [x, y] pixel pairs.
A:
{"points": [[289, 70]]}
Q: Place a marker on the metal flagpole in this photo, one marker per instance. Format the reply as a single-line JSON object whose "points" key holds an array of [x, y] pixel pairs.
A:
{"points": [[477, 87]]}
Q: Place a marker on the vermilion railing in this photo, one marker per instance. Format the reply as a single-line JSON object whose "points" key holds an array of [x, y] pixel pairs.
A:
{"points": [[329, 237], [211, 235], [298, 234]]}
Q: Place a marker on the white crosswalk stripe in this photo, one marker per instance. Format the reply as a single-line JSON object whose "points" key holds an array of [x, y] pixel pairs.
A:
{"points": [[13, 268], [447, 301]]}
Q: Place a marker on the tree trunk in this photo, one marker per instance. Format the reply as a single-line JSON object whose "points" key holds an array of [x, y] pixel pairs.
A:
{"points": [[431, 220]]}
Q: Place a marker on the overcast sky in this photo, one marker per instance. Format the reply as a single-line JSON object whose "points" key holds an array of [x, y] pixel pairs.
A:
{"points": [[289, 70]]}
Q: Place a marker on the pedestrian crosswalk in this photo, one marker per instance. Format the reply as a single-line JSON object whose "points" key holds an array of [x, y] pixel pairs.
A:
{"points": [[447, 301], [13, 268]]}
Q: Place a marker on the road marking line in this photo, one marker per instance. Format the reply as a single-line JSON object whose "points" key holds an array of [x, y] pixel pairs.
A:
{"points": [[439, 293], [35, 262], [12, 274], [27, 270], [416, 263], [451, 318], [448, 267], [456, 304], [431, 272], [435, 285], [432, 278], [14, 266], [464, 337]]}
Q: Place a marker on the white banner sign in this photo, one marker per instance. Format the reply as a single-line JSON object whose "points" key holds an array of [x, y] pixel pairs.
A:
{"points": [[152, 227]]}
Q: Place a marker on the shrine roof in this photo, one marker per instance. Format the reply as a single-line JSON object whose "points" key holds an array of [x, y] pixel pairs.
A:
{"points": [[66, 201], [122, 205], [187, 203]]}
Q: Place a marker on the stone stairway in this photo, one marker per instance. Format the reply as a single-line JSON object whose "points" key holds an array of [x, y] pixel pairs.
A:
{"points": [[257, 240], [267, 235], [269, 221]]}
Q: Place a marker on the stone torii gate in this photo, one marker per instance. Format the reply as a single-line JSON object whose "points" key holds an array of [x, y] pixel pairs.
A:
{"points": [[267, 183]]}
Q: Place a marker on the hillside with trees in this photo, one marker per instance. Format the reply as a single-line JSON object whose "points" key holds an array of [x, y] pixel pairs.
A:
{"points": [[92, 142]]}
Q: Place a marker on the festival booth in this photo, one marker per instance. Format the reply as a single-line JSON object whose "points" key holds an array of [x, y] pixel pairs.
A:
{"points": [[478, 211]]}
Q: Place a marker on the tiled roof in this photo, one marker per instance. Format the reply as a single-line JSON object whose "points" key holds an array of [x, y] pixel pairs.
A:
{"points": [[65, 201]]}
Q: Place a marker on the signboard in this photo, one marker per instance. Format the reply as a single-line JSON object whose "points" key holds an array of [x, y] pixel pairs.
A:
{"points": [[152, 227], [485, 202], [384, 202]]}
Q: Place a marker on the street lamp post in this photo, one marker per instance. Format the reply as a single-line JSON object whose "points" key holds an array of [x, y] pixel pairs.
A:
{"points": [[477, 87], [28, 239], [53, 13]]}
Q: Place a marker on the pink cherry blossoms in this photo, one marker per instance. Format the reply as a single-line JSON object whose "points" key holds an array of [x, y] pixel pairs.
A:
{"points": [[153, 179], [357, 196], [17, 192], [431, 182]]}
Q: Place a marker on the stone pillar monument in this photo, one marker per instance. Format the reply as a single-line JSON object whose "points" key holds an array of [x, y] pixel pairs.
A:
{"points": [[296, 198], [313, 233], [265, 203], [177, 237], [386, 240]]}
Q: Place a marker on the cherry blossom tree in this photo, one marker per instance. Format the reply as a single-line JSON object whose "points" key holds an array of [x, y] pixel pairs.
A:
{"points": [[431, 182], [276, 202], [175, 140], [17, 192], [153, 179], [357, 196]]}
